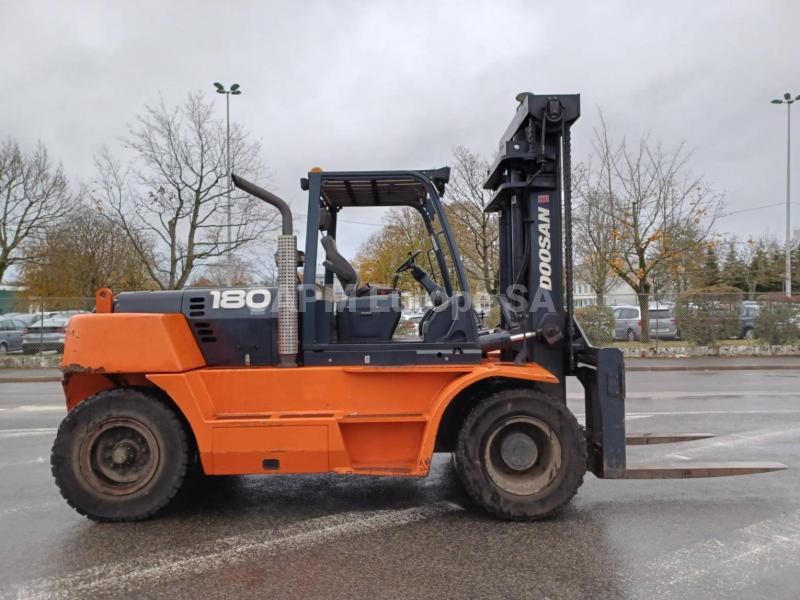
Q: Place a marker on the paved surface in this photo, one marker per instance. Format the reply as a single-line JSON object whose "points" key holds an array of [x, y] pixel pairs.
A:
{"points": [[33, 374], [347, 537]]}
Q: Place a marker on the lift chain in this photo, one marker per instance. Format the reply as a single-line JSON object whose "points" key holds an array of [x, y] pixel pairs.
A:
{"points": [[567, 178]]}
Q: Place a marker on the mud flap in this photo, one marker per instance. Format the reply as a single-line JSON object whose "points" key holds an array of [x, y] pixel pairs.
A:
{"points": [[604, 385]]}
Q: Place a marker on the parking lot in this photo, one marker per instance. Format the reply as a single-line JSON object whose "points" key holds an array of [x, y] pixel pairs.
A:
{"points": [[331, 536]]}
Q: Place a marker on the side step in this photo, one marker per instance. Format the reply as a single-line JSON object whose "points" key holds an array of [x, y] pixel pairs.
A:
{"points": [[645, 439], [689, 470]]}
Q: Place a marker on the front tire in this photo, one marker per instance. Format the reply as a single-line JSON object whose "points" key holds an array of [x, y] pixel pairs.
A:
{"points": [[521, 455], [120, 455]]}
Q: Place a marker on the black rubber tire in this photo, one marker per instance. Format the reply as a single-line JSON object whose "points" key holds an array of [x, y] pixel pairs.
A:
{"points": [[167, 431], [3, 349], [476, 431], [630, 335]]}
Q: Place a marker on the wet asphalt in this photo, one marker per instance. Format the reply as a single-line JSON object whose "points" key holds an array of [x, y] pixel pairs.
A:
{"points": [[365, 537]]}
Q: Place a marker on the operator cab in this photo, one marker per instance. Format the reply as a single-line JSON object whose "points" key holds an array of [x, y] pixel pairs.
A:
{"points": [[358, 326]]}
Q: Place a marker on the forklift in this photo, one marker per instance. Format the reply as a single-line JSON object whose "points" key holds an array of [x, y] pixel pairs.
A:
{"points": [[309, 376]]}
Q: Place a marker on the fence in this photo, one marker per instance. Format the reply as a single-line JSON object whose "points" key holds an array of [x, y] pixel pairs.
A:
{"points": [[705, 317], [37, 325]]}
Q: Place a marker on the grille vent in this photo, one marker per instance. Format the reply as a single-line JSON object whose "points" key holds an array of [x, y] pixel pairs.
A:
{"points": [[197, 306], [204, 331]]}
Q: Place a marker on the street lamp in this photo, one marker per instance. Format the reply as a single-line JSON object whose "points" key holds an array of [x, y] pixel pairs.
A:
{"points": [[233, 91], [788, 101]]}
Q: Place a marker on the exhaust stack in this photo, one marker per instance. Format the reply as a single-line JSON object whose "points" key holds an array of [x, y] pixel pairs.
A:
{"points": [[287, 273]]}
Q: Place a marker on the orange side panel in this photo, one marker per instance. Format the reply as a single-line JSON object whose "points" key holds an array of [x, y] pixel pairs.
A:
{"points": [[366, 420], [130, 343], [348, 390], [390, 446], [292, 448]]}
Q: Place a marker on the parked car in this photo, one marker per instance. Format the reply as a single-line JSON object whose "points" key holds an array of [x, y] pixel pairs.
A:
{"points": [[45, 335], [628, 322], [11, 329], [31, 318], [747, 320]]}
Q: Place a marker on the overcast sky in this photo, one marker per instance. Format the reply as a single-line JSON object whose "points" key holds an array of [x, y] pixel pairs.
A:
{"points": [[369, 85]]}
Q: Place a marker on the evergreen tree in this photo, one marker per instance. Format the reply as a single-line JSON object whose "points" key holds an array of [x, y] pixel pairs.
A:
{"points": [[734, 267]]}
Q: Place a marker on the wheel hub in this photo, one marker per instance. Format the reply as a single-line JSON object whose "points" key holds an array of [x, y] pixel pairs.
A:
{"points": [[518, 451], [120, 456], [522, 455]]}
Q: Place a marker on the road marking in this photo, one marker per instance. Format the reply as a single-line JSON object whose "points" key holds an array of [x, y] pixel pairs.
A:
{"points": [[15, 433], [36, 408], [40, 460], [749, 438], [726, 566], [686, 395], [163, 567]]}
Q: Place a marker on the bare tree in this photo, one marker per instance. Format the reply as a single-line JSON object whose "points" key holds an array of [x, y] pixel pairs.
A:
{"points": [[219, 275], [658, 210], [476, 231], [593, 227], [170, 197], [34, 194]]}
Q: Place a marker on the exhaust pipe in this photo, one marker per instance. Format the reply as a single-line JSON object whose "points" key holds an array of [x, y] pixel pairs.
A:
{"points": [[269, 198], [286, 257]]}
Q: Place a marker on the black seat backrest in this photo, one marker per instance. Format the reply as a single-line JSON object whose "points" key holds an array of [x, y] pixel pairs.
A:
{"points": [[339, 265]]}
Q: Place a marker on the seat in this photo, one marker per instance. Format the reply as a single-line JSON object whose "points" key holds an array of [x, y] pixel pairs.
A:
{"points": [[369, 313]]}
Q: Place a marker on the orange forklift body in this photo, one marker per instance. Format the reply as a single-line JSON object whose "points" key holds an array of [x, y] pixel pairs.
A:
{"points": [[368, 420]]}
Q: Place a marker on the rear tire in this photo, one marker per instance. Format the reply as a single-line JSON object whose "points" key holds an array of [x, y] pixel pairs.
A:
{"points": [[631, 335], [120, 455], [3, 349], [521, 455]]}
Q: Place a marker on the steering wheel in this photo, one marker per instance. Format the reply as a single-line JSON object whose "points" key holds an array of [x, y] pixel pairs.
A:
{"points": [[409, 262]]}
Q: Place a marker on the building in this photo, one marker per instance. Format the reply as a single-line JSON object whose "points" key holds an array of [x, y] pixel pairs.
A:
{"points": [[620, 293]]}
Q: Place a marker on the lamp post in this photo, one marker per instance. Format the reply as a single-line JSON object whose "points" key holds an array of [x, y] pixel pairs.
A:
{"points": [[788, 101], [234, 90]]}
